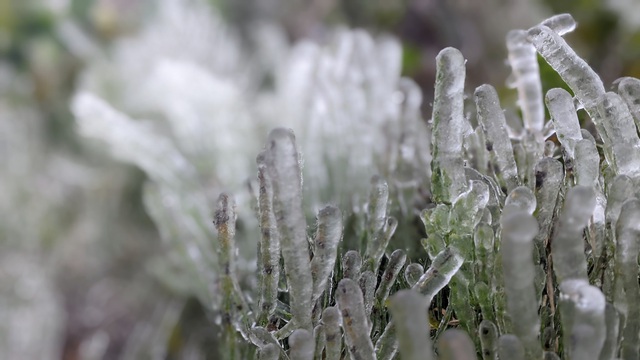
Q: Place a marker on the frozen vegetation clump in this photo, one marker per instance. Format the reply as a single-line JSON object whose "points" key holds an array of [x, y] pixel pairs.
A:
{"points": [[531, 247]]}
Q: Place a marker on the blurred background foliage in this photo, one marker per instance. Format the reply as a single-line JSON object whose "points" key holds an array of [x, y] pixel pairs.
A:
{"points": [[74, 232]]}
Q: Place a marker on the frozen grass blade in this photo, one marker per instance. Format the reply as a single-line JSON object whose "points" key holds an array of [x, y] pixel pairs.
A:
{"points": [[447, 178], [328, 236], [455, 344], [354, 320], [585, 320], [510, 347], [565, 121], [351, 265], [412, 273], [408, 311], [269, 245], [622, 134], [284, 171], [491, 117], [488, 333], [333, 335], [629, 90], [389, 276], [301, 345]]}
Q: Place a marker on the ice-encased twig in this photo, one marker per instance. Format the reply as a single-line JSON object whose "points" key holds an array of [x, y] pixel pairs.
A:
{"points": [[412, 273], [526, 73], [438, 275], [583, 313], [284, 171], [518, 232], [447, 178], [488, 333], [628, 246], [408, 311], [622, 134], [269, 245], [326, 243], [491, 117], [565, 121], [376, 218], [455, 344], [629, 89], [510, 347], [389, 276], [354, 320], [302, 345], [567, 247], [333, 335]]}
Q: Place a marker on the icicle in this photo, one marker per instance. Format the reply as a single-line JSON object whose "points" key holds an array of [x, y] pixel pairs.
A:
{"points": [[351, 265], [583, 314], [408, 312], [455, 344], [622, 135], [565, 120], [518, 232], [510, 347], [524, 62], [331, 321], [629, 89], [412, 273], [448, 180], [628, 246], [354, 320], [328, 236], [284, 171], [391, 271], [301, 345], [567, 247], [488, 340], [269, 245]]}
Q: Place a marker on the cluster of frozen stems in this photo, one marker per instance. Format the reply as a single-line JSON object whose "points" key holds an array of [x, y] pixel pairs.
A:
{"points": [[537, 245]]}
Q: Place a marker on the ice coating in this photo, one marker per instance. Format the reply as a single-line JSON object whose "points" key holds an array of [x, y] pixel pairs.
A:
{"points": [[587, 164], [567, 247], [583, 81], [518, 232], [622, 134], [526, 73], [488, 333], [549, 177], [565, 119], [269, 244], [586, 319], [561, 23], [284, 171], [455, 344], [521, 199], [269, 352], [376, 218], [412, 273], [368, 287], [354, 320], [467, 208], [628, 246], [331, 321], [412, 325], [438, 275], [320, 339], [302, 345], [448, 180], [328, 236], [629, 90], [396, 262], [351, 265], [492, 120], [510, 347]]}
